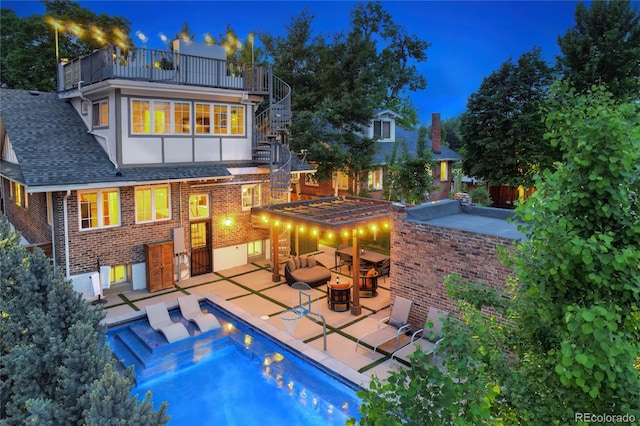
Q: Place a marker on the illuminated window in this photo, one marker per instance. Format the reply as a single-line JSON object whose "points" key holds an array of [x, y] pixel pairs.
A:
{"points": [[182, 116], [198, 206], [250, 196], [237, 120], [203, 119], [375, 179], [220, 120], [118, 274], [19, 195], [341, 180], [140, 117], [382, 129], [99, 209], [444, 171], [254, 248], [310, 180], [161, 117], [100, 113], [153, 204], [165, 117]]}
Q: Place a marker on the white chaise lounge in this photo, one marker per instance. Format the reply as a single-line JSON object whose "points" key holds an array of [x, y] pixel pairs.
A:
{"points": [[190, 309], [159, 318]]}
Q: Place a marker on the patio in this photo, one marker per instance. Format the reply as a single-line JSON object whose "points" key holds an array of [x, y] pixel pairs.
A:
{"points": [[249, 292]]}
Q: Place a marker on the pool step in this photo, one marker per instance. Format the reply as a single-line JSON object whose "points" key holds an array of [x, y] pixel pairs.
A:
{"points": [[134, 346]]}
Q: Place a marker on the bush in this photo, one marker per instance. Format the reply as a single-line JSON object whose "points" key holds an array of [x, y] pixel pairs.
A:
{"points": [[481, 196]]}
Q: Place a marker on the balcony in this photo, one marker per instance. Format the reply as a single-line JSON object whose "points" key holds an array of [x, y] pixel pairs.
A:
{"points": [[162, 67]]}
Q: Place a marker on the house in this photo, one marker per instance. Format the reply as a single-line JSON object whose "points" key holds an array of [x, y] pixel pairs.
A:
{"points": [[146, 164], [386, 132]]}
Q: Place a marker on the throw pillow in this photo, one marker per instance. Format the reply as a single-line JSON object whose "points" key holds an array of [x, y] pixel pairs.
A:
{"points": [[303, 261], [297, 260], [311, 261], [291, 264], [372, 272]]}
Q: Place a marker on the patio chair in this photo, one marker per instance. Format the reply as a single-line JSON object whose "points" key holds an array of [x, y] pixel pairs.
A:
{"points": [[384, 268], [190, 309], [159, 318], [345, 259], [429, 337], [394, 326]]}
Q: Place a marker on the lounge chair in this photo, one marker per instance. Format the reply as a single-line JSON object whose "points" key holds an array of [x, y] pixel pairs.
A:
{"points": [[430, 337], [159, 318], [190, 309], [394, 326]]}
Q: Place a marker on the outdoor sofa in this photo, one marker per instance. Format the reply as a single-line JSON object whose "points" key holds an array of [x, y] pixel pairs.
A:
{"points": [[306, 269]]}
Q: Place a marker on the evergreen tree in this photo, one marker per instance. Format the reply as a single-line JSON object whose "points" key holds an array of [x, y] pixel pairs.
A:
{"points": [[603, 47], [53, 351]]}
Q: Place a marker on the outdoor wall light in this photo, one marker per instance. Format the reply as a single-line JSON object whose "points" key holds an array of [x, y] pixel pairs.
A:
{"points": [[227, 221]]}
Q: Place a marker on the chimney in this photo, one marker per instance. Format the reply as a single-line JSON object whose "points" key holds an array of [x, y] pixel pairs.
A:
{"points": [[436, 135]]}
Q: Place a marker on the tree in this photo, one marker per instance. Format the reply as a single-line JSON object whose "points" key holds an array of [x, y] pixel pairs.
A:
{"points": [[603, 47], [502, 128], [569, 338], [339, 84], [409, 177], [53, 351], [28, 58]]}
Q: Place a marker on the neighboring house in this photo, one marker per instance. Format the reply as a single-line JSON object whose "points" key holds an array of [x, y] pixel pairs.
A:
{"points": [[384, 129], [144, 147]]}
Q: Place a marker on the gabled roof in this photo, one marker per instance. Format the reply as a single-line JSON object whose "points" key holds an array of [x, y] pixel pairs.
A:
{"points": [[384, 149], [55, 151]]}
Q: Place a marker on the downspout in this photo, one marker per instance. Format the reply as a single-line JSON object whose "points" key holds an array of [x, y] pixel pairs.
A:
{"points": [[66, 233], [53, 234]]}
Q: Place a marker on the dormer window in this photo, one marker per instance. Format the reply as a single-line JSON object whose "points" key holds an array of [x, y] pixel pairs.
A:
{"points": [[382, 129], [100, 111]]}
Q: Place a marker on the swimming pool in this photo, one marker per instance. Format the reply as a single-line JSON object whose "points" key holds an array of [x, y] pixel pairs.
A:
{"points": [[233, 376]]}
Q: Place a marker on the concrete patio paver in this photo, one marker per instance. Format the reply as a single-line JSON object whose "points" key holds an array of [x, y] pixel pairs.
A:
{"points": [[251, 291]]}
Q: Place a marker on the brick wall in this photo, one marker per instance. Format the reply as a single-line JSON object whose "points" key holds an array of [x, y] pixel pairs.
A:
{"points": [[31, 221], [422, 255], [125, 244]]}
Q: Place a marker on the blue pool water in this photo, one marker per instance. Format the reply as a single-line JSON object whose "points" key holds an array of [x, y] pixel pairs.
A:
{"points": [[232, 376]]}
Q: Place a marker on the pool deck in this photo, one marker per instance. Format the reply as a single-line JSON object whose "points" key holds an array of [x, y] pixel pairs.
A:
{"points": [[248, 292]]}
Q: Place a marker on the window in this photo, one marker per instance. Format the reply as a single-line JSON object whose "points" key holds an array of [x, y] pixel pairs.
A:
{"points": [[310, 180], [100, 111], [198, 206], [375, 179], [237, 120], [19, 195], [444, 171], [254, 248], [99, 209], [341, 180], [382, 129], [49, 208], [203, 119], [182, 115], [218, 119], [162, 117], [118, 274], [153, 204], [250, 196]]}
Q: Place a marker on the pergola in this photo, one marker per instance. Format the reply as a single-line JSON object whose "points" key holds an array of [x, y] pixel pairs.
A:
{"points": [[345, 217]]}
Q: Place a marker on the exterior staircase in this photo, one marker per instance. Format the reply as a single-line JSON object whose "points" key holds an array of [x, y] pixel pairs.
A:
{"points": [[269, 148]]}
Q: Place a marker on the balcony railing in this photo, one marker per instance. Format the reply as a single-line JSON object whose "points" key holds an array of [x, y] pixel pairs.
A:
{"points": [[162, 66]]}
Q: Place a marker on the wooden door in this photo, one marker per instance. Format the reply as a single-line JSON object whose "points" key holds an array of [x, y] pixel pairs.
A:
{"points": [[200, 248], [159, 265]]}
